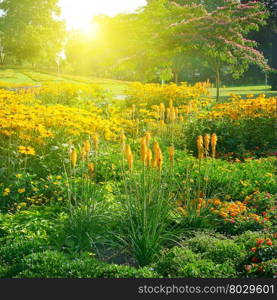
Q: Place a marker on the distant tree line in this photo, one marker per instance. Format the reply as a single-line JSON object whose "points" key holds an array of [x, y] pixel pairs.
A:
{"points": [[227, 41]]}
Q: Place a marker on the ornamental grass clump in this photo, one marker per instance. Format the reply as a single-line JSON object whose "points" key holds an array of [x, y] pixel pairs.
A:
{"points": [[145, 225]]}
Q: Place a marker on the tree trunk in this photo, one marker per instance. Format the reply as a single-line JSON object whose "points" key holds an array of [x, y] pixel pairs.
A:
{"points": [[273, 76], [176, 77], [217, 82]]}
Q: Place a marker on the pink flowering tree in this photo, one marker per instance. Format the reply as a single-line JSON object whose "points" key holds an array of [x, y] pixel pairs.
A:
{"points": [[219, 36]]}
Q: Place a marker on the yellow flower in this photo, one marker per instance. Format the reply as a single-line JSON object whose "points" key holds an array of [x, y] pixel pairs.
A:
{"points": [[217, 202], [6, 192], [159, 159], [199, 143], [87, 146], [122, 140], [143, 150], [95, 139], [223, 214], [171, 153], [213, 143], [149, 157], [207, 139], [91, 169], [182, 211], [18, 175], [73, 158], [26, 150], [20, 191], [130, 159], [147, 138], [127, 150]]}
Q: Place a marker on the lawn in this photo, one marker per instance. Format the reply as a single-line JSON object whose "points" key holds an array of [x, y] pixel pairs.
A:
{"points": [[115, 87], [21, 76], [245, 90]]}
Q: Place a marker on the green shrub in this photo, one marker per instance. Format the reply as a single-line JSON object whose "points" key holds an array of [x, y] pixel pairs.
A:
{"points": [[239, 138], [38, 222], [13, 251], [44, 265], [265, 269], [217, 248], [4, 271], [226, 250], [172, 260], [202, 241], [183, 262], [249, 238], [53, 264], [205, 268]]}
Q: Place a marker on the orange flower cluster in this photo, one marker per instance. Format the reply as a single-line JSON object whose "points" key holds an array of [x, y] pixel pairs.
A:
{"points": [[185, 207], [228, 209], [232, 211]]}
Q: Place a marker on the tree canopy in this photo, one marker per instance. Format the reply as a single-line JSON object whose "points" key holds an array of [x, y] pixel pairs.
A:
{"points": [[31, 29]]}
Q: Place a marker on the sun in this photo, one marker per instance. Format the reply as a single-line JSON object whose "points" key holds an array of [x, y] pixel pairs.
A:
{"points": [[79, 14], [90, 29]]}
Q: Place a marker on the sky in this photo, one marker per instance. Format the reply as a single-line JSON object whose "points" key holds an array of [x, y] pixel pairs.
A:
{"points": [[78, 13]]}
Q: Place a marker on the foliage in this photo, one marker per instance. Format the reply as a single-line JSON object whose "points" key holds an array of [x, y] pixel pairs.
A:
{"points": [[146, 205], [29, 35], [182, 262], [51, 264]]}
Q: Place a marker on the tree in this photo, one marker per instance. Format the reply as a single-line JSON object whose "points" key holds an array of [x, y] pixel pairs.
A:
{"points": [[31, 28], [219, 36], [267, 39]]}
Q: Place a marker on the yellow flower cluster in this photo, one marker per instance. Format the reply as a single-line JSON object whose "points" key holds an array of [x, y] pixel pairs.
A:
{"points": [[203, 145], [153, 94], [23, 117], [239, 108], [52, 89]]}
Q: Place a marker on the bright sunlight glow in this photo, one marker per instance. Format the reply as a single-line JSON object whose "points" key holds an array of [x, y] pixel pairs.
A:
{"points": [[79, 13]]}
